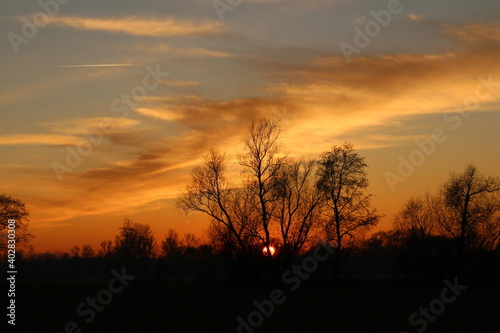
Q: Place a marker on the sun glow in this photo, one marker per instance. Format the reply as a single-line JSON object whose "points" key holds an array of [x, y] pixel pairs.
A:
{"points": [[271, 250]]}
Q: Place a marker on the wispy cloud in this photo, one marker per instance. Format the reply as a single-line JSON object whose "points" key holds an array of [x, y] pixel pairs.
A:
{"points": [[179, 83], [158, 114], [95, 65], [475, 32], [202, 52], [70, 132], [83, 126], [38, 139], [417, 17], [182, 51], [143, 162], [140, 26]]}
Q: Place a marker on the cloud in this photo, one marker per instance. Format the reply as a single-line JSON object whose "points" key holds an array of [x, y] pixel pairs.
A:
{"points": [[95, 65], [202, 52], [417, 17], [148, 160], [359, 21], [327, 98], [156, 167], [266, 1], [71, 132], [38, 139], [334, 99], [182, 51], [140, 26], [158, 114], [475, 32], [180, 83], [199, 112], [84, 126], [119, 184]]}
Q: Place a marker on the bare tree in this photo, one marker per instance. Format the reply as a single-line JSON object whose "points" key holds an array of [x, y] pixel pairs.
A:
{"points": [[190, 241], [417, 218], [13, 209], [106, 249], [75, 251], [190, 245], [87, 251], [263, 163], [135, 241], [276, 204], [298, 208], [343, 180], [170, 246], [458, 223], [389, 242], [471, 203], [210, 193], [423, 249]]}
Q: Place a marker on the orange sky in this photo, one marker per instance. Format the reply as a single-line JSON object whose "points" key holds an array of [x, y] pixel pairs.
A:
{"points": [[434, 67]]}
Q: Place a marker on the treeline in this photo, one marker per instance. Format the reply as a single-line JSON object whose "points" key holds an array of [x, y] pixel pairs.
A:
{"points": [[404, 253], [134, 241], [453, 232], [135, 248], [287, 204], [281, 209]]}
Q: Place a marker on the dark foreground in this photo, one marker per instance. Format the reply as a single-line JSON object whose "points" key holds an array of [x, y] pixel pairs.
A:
{"points": [[374, 306]]}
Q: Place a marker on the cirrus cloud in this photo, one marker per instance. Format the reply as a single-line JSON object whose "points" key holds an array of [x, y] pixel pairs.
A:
{"points": [[140, 26], [476, 31]]}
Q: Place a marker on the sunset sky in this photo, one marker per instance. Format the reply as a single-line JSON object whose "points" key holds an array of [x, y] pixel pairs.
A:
{"points": [[427, 62]]}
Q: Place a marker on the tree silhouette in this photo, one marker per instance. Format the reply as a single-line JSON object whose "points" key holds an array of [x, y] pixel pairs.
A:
{"points": [[87, 251], [465, 211], [298, 206], [425, 251], [170, 246], [210, 193], [276, 203], [263, 163], [417, 217], [106, 249], [11, 208], [471, 204], [75, 251], [343, 180], [190, 245], [135, 241]]}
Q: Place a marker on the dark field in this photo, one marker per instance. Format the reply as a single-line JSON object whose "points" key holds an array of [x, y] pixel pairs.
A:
{"points": [[377, 306]]}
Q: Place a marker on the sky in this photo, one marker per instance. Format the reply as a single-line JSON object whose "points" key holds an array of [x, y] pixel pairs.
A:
{"points": [[106, 106]]}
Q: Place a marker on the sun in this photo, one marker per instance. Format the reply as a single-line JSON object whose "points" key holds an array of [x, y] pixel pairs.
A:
{"points": [[271, 250]]}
